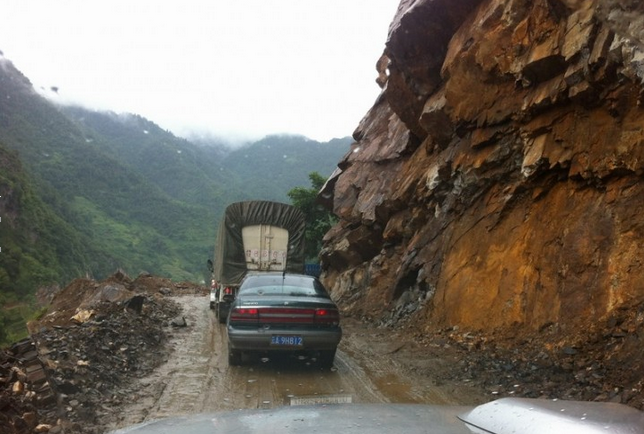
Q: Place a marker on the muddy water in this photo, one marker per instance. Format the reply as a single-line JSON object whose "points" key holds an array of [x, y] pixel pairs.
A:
{"points": [[196, 377]]}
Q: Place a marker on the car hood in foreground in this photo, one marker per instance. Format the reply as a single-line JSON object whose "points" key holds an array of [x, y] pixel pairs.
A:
{"points": [[509, 415]]}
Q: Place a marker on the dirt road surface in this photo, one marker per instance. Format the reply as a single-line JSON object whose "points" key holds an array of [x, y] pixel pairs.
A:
{"points": [[371, 366]]}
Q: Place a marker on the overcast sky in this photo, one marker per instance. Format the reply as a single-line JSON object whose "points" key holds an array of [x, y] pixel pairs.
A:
{"points": [[236, 68]]}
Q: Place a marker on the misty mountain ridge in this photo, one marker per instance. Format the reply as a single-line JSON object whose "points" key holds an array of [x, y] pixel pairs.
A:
{"points": [[135, 196], [178, 165]]}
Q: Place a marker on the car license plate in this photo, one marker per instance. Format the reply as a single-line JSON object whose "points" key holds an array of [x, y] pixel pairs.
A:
{"points": [[289, 341]]}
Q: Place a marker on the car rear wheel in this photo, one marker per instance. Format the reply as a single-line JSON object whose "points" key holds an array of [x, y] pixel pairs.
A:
{"points": [[234, 357], [326, 358]]}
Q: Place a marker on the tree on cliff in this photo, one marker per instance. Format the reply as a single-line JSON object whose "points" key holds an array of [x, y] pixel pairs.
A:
{"points": [[318, 219]]}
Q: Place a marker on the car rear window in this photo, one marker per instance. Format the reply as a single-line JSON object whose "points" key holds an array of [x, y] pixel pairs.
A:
{"points": [[282, 285]]}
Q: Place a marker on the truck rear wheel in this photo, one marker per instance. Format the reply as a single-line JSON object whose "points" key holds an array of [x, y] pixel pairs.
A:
{"points": [[221, 314]]}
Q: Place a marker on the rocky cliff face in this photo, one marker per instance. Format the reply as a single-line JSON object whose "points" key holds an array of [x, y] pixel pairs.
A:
{"points": [[496, 184]]}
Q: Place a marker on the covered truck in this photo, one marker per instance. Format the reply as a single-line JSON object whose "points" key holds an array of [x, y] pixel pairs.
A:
{"points": [[254, 236]]}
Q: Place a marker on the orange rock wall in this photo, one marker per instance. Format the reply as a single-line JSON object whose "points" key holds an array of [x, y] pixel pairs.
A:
{"points": [[497, 181]]}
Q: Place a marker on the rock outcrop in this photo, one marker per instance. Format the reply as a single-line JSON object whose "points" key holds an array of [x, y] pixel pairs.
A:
{"points": [[496, 184]]}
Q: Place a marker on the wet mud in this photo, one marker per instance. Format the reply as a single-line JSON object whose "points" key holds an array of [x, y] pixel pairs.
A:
{"points": [[196, 377]]}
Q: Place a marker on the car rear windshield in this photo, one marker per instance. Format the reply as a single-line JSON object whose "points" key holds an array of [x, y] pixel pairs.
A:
{"points": [[283, 285]]}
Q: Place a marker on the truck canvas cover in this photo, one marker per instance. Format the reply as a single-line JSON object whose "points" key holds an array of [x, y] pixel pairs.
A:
{"points": [[230, 260]]}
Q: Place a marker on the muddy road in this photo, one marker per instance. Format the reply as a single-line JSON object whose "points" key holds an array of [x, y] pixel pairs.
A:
{"points": [[371, 366]]}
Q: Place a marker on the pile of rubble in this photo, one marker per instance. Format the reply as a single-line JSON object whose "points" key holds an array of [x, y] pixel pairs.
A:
{"points": [[604, 363], [95, 339], [25, 394]]}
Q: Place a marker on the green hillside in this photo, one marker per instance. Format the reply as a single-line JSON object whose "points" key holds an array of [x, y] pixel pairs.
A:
{"points": [[129, 221], [38, 247], [100, 195], [135, 196], [209, 175], [180, 169]]}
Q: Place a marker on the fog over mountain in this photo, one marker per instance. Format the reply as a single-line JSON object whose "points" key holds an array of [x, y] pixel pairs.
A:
{"points": [[237, 70]]}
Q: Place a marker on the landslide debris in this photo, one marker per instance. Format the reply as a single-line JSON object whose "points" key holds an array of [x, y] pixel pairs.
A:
{"points": [[604, 363], [71, 375]]}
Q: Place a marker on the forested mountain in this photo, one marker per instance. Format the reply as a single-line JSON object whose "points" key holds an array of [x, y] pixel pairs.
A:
{"points": [[208, 174], [276, 164], [121, 213], [182, 170], [37, 245], [117, 191]]}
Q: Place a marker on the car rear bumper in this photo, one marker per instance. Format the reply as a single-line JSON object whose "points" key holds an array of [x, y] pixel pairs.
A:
{"points": [[260, 339]]}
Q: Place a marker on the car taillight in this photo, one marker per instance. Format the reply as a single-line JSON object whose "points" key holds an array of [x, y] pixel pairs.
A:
{"points": [[244, 315], [327, 316]]}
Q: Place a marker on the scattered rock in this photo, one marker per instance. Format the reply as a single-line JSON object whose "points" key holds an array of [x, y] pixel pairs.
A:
{"points": [[179, 322], [604, 363], [135, 303]]}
